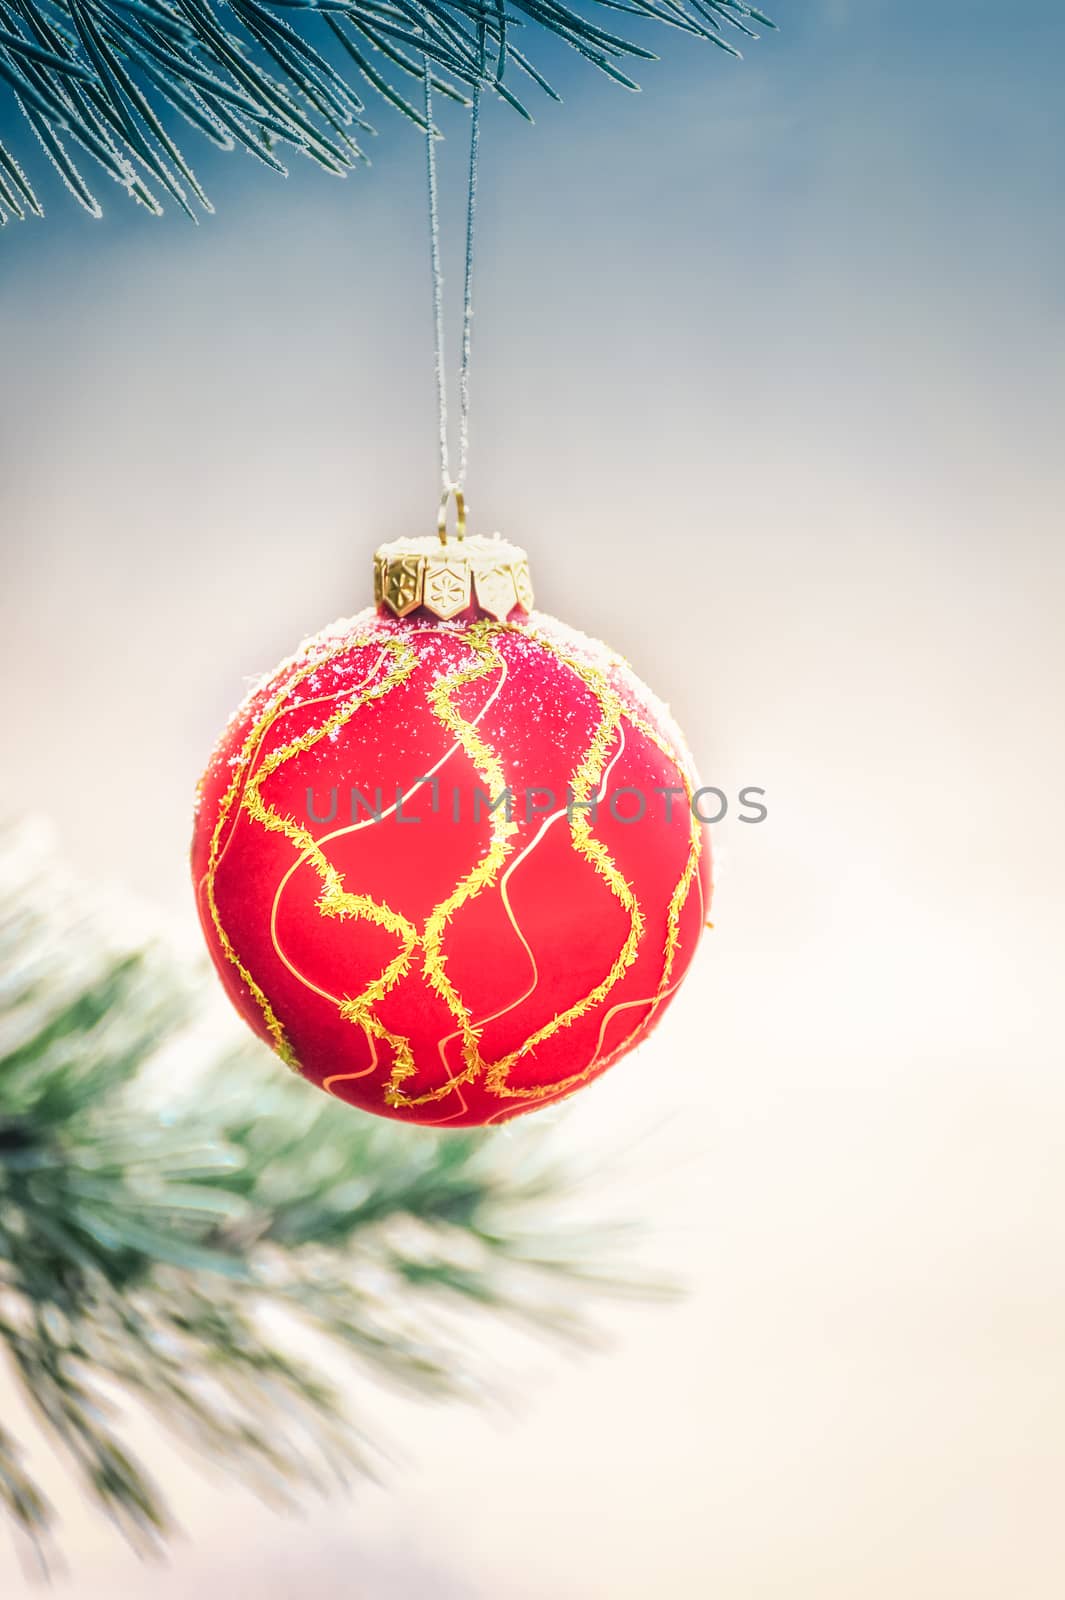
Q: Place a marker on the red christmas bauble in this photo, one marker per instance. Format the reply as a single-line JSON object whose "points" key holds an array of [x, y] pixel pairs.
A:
{"points": [[446, 858]]}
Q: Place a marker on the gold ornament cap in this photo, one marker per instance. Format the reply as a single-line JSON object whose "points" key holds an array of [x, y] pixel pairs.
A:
{"points": [[450, 577]]}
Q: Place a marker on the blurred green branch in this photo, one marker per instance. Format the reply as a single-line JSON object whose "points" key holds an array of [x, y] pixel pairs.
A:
{"points": [[176, 1215]]}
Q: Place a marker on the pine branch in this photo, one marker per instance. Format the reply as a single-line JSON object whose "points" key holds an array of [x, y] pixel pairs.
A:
{"points": [[106, 79], [152, 1247]]}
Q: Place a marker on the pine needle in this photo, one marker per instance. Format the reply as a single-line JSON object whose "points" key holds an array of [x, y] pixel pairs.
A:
{"points": [[110, 74], [153, 1240]]}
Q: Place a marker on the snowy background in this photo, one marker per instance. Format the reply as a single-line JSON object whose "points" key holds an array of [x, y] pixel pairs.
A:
{"points": [[785, 339]]}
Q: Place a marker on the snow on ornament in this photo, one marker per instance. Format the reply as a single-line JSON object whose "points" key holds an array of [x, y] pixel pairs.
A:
{"points": [[446, 857]]}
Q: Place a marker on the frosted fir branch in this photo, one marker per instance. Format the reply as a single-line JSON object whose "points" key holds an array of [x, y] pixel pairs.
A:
{"points": [[105, 81]]}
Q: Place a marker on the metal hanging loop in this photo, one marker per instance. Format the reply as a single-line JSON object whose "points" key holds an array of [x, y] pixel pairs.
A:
{"points": [[452, 490]]}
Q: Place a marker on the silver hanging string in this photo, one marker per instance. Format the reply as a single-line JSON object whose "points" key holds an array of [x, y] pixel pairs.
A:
{"points": [[452, 485], [438, 279], [467, 289]]}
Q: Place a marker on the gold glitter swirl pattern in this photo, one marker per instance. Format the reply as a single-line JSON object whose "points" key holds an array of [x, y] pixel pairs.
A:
{"points": [[584, 781], [504, 895], [691, 865], [582, 784], [398, 649], [333, 898], [489, 769]]}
